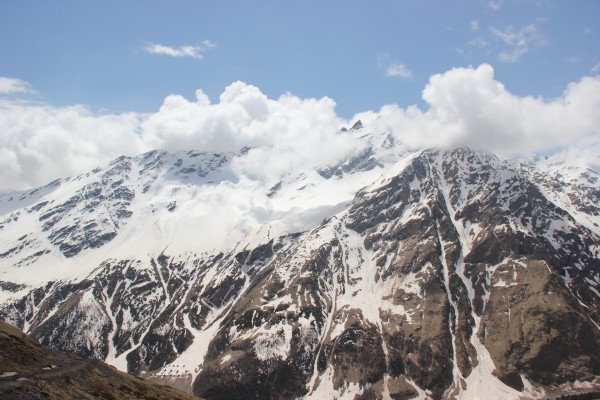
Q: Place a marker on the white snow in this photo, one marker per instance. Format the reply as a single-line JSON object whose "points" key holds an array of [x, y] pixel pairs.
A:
{"points": [[225, 358], [393, 171], [421, 394], [480, 380], [274, 342], [582, 385], [190, 361]]}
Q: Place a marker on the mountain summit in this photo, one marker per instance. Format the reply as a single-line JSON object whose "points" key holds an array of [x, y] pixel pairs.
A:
{"points": [[448, 274]]}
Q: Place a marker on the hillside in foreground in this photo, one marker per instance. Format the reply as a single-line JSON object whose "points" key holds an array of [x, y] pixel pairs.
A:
{"points": [[29, 371]]}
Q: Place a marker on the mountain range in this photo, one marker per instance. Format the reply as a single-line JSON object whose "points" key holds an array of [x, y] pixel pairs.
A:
{"points": [[394, 273]]}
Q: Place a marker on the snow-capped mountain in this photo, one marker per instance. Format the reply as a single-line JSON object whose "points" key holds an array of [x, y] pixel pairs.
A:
{"points": [[391, 274]]}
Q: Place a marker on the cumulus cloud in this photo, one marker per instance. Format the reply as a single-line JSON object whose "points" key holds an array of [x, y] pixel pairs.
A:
{"points": [[192, 51], [464, 106], [14, 86], [39, 142], [284, 133], [518, 43], [468, 106]]}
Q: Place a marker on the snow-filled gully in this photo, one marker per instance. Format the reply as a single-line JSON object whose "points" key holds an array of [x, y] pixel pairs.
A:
{"points": [[481, 378]]}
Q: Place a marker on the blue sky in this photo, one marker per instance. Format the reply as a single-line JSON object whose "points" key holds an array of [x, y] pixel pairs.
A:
{"points": [[95, 52], [82, 82]]}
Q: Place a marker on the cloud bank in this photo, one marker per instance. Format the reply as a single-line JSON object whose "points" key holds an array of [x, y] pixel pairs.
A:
{"points": [[465, 106]]}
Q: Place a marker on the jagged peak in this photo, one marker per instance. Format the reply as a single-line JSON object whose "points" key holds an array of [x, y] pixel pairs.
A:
{"points": [[357, 125]]}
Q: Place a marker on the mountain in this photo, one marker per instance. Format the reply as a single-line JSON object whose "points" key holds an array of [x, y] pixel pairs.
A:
{"points": [[30, 371], [391, 274]]}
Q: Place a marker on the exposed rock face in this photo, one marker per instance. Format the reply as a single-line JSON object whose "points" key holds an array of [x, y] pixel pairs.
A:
{"points": [[424, 275], [357, 125], [364, 161], [453, 274]]}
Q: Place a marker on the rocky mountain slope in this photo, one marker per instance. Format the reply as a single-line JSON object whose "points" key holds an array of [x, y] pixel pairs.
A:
{"points": [[394, 274], [28, 371]]}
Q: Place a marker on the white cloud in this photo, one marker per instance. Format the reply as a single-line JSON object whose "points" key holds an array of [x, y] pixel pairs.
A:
{"points": [[465, 106], [192, 51], [39, 142], [596, 68], [475, 25], [393, 69], [518, 43], [495, 4], [209, 44], [398, 70], [585, 153], [14, 86], [287, 132], [477, 110]]}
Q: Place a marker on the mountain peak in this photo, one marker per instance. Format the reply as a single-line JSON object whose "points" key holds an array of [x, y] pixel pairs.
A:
{"points": [[357, 125]]}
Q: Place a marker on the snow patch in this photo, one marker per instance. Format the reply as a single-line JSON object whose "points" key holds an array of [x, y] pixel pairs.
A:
{"points": [[274, 342], [225, 358]]}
